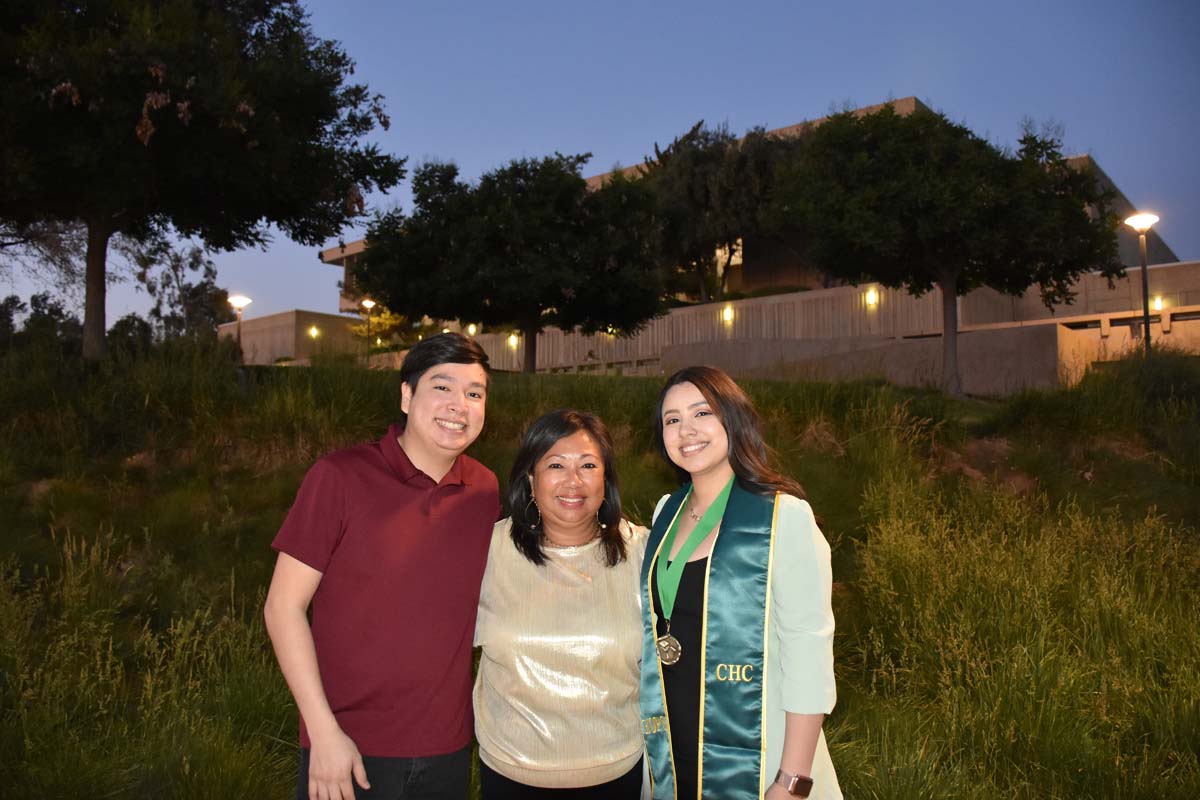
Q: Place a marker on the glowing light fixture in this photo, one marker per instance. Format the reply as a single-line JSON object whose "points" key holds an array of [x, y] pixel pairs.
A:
{"points": [[727, 314], [368, 304], [1142, 222], [472, 329], [239, 301], [314, 332], [513, 341], [445, 330], [1158, 304], [872, 297]]}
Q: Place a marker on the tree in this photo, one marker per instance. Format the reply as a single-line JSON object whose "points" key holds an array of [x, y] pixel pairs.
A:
{"points": [[10, 307], [213, 119], [50, 325], [685, 177], [131, 334], [183, 308], [710, 187], [527, 246], [385, 326], [918, 201]]}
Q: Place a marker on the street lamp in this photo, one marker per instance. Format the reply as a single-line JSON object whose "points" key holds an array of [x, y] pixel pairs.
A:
{"points": [[368, 304], [1141, 223], [239, 301]]}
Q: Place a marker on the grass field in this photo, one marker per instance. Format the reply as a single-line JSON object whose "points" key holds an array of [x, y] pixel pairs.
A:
{"points": [[1016, 581]]}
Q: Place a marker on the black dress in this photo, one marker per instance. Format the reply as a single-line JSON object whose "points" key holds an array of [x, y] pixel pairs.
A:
{"points": [[681, 680]]}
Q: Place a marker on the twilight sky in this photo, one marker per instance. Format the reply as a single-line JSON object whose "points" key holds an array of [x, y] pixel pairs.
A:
{"points": [[480, 83]]}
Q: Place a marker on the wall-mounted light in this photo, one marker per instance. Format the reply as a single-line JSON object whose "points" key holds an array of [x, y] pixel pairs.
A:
{"points": [[727, 314], [378, 341], [445, 330], [472, 329], [314, 332], [513, 341], [872, 297], [1158, 304]]}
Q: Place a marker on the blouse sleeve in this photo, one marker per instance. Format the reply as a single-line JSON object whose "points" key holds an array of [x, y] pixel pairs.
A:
{"points": [[801, 610]]}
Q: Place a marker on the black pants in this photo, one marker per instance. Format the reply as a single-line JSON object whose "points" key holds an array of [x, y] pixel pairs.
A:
{"points": [[497, 787], [445, 777]]}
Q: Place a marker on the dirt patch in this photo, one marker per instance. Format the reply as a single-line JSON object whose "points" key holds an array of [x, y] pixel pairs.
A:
{"points": [[820, 436], [986, 460], [1123, 448], [37, 490]]}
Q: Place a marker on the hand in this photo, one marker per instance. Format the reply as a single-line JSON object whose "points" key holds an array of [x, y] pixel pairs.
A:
{"points": [[333, 759]]}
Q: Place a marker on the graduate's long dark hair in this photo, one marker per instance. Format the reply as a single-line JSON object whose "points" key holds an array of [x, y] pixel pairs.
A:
{"points": [[748, 453], [526, 519]]}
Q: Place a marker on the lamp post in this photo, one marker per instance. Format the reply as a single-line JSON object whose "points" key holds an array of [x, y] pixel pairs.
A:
{"points": [[1141, 223], [239, 301], [368, 304]]}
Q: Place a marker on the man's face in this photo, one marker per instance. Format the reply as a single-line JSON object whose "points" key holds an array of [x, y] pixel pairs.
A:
{"points": [[446, 410]]}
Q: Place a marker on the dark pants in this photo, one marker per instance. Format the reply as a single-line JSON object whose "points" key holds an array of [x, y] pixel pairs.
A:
{"points": [[497, 787], [445, 777]]}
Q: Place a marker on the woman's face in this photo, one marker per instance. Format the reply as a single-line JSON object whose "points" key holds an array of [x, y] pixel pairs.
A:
{"points": [[568, 484], [693, 435]]}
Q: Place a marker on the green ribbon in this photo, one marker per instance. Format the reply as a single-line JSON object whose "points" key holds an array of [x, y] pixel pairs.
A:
{"points": [[670, 572]]}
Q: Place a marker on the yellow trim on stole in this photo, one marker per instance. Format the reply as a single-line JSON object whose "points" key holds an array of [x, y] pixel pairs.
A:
{"points": [[704, 666], [654, 635], [762, 758]]}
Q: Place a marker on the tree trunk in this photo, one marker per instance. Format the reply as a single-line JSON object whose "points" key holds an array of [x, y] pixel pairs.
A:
{"points": [[529, 362], [951, 383], [702, 274], [724, 285], [98, 233]]}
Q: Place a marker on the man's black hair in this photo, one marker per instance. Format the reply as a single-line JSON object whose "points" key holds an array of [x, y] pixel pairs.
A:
{"points": [[445, 348]]}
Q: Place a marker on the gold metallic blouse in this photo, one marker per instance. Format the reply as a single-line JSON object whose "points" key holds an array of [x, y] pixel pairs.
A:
{"points": [[556, 695]]}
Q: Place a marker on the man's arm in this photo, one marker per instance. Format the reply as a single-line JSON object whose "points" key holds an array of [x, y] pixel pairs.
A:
{"points": [[334, 755]]}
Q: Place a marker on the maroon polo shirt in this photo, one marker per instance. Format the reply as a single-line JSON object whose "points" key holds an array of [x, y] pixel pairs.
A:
{"points": [[393, 618]]}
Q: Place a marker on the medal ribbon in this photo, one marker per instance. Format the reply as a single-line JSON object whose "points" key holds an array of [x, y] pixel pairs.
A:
{"points": [[670, 573]]}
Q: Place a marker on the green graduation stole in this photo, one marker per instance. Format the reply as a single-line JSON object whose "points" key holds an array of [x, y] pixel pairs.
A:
{"points": [[734, 643]]}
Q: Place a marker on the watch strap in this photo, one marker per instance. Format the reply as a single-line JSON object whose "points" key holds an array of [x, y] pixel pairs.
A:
{"points": [[796, 785]]}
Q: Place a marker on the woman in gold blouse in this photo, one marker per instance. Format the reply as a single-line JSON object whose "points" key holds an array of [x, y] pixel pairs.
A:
{"points": [[556, 695]]}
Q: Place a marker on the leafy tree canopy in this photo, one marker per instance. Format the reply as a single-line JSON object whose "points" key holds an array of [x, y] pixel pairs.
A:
{"points": [[711, 188], [527, 246], [215, 119], [918, 201]]}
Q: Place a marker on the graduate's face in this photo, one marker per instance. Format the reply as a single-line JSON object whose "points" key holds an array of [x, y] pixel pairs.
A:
{"points": [[446, 410], [568, 484], [694, 438]]}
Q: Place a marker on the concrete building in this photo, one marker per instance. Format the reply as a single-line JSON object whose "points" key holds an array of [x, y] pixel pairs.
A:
{"points": [[293, 336]]}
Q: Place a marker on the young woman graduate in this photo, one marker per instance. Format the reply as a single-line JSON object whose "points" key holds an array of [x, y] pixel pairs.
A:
{"points": [[737, 664]]}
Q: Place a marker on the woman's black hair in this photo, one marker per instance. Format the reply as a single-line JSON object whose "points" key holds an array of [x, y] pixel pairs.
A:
{"points": [[748, 453], [539, 437]]}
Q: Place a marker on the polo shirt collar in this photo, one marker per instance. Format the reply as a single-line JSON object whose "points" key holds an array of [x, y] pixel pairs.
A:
{"points": [[398, 460]]}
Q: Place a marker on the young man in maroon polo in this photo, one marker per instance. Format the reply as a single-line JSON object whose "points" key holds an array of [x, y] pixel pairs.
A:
{"points": [[388, 541]]}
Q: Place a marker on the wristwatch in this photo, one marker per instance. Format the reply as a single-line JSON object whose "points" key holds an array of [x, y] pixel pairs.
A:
{"points": [[796, 785]]}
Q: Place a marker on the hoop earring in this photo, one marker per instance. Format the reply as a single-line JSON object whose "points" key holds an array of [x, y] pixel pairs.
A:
{"points": [[532, 502]]}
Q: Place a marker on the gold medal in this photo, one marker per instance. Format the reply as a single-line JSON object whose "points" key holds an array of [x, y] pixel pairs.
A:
{"points": [[669, 649]]}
